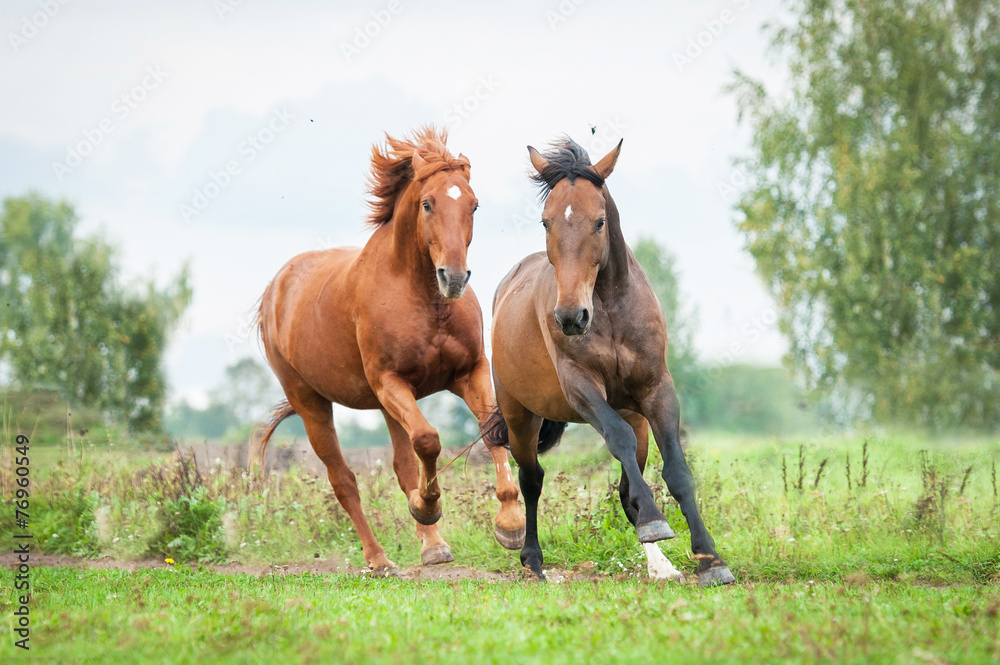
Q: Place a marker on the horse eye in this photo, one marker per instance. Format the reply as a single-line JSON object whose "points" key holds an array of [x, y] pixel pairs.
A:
{"points": [[476, 208], [427, 206], [600, 224], [545, 224]]}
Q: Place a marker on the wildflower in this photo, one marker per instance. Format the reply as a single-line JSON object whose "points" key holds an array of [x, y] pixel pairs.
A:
{"points": [[243, 544], [169, 560], [115, 539]]}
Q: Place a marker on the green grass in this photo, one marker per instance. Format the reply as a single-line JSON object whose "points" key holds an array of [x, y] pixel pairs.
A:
{"points": [[915, 509], [902, 564], [182, 616]]}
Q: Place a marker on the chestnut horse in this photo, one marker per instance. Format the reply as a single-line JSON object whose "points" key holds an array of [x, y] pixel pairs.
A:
{"points": [[383, 326], [579, 336]]}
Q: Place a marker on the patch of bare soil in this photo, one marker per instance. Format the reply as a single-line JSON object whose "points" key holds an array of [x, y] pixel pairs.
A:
{"points": [[447, 572]]}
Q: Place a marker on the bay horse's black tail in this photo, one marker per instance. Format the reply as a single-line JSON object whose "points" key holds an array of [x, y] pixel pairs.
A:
{"points": [[495, 432]]}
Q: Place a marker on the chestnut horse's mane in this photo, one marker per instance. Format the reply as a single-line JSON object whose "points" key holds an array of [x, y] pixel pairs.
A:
{"points": [[392, 168], [566, 159]]}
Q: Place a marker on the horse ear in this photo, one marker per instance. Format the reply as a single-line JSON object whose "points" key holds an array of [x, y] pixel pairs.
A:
{"points": [[536, 159], [466, 165], [418, 163], [607, 163]]}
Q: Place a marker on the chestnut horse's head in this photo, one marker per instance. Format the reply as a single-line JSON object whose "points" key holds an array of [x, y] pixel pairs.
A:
{"points": [[444, 220], [418, 176], [576, 231]]}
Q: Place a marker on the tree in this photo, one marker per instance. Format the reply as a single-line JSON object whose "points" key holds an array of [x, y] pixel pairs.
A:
{"points": [[873, 202], [249, 391], [660, 267], [68, 323]]}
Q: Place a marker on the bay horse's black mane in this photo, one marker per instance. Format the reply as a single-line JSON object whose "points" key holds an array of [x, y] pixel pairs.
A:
{"points": [[566, 159]]}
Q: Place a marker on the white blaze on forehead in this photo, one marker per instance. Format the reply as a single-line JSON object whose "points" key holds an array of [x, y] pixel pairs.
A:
{"points": [[569, 212], [454, 192], [659, 566]]}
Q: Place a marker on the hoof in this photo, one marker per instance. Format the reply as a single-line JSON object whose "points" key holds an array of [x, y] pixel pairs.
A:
{"points": [[512, 540], [435, 555], [652, 532], [529, 575], [422, 516], [716, 576]]}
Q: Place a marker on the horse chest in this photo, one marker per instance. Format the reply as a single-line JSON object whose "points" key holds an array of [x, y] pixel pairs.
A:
{"points": [[426, 353]]}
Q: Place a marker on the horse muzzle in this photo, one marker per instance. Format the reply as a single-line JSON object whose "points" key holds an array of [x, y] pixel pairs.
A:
{"points": [[451, 282], [573, 321]]}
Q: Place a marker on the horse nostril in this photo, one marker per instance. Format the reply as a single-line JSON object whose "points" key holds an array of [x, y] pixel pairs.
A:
{"points": [[468, 274], [442, 276], [583, 318]]}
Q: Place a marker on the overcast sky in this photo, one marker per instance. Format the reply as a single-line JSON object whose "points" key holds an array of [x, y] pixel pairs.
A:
{"points": [[128, 110]]}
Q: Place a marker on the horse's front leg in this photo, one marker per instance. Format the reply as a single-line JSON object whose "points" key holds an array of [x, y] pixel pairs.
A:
{"points": [[476, 389], [396, 396], [586, 394], [662, 410]]}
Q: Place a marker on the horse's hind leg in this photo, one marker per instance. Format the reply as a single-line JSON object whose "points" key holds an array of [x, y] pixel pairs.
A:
{"points": [[317, 414], [404, 462], [477, 391], [662, 410], [641, 428]]}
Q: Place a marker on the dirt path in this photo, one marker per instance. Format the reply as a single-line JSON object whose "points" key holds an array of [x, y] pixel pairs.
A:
{"points": [[448, 572]]}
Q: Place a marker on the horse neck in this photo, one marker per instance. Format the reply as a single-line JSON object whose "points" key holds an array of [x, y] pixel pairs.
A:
{"points": [[614, 275], [409, 254]]}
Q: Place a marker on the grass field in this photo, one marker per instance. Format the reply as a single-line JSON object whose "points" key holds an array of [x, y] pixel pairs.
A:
{"points": [[884, 549]]}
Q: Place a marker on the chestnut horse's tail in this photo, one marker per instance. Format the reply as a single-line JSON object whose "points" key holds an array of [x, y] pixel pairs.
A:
{"points": [[495, 432], [263, 432]]}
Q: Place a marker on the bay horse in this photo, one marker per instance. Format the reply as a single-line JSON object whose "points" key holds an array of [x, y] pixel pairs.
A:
{"points": [[383, 326], [579, 336]]}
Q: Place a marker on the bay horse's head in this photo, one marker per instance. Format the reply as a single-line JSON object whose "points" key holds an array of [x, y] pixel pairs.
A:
{"points": [[576, 232], [444, 220], [418, 176]]}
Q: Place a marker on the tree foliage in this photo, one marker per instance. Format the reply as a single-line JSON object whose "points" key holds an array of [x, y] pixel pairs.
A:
{"points": [[873, 202], [661, 269], [68, 323]]}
